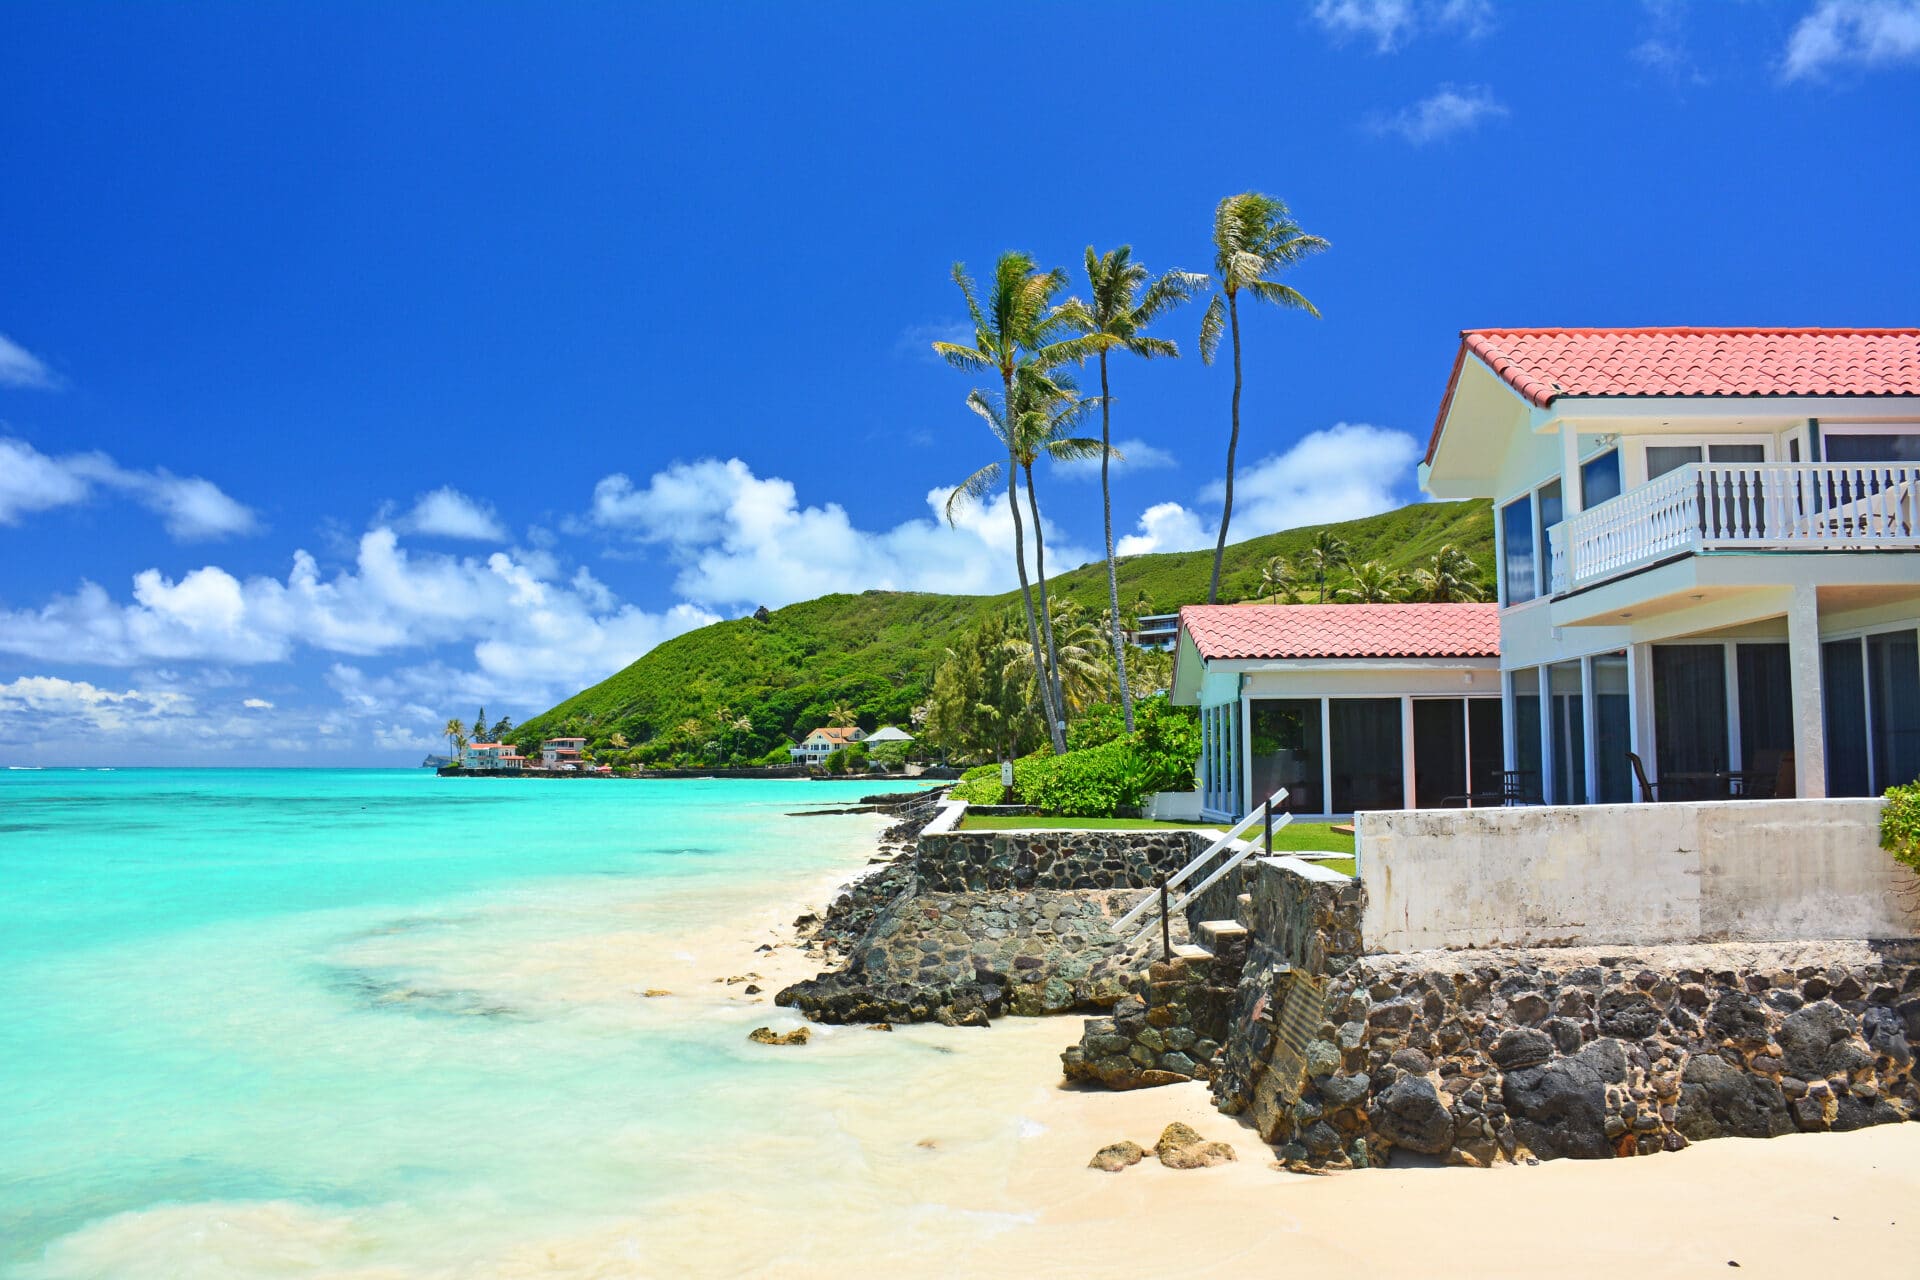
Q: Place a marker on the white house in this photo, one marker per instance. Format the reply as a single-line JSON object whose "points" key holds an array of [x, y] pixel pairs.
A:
{"points": [[823, 742], [1709, 554], [562, 753], [491, 755], [888, 733], [1347, 706]]}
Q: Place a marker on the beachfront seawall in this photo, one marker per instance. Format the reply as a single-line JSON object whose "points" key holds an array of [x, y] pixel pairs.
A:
{"points": [[1641, 875]]}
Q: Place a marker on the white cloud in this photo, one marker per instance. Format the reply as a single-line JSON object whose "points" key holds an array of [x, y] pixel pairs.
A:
{"points": [[531, 635], [744, 540], [190, 508], [1852, 33], [1346, 471], [449, 513], [1166, 526], [1388, 23], [19, 367], [1448, 110], [36, 707], [256, 704], [1135, 455]]}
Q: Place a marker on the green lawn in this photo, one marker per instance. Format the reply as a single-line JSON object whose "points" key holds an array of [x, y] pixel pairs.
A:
{"points": [[1295, 835]]}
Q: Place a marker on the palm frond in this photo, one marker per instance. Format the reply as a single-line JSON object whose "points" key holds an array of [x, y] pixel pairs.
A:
{"points": [[961, 278], [1077, 449], [1282, 295], [1148, 348], [1212, 326], [971, 359], [973, 488]]}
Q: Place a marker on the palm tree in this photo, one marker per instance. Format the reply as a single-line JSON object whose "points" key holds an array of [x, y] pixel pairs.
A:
{"points": [[1016, 331], [1327, 552], [1115, 317], [1085, 667], [1277, 579], [1373, 583], [1045, 410], [456, 735], [1254, 239], [1451, 575], [841, 716]]}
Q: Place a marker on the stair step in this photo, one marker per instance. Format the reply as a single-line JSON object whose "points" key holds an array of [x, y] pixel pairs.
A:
{"points": [[1218, 931], [1191, 951]]}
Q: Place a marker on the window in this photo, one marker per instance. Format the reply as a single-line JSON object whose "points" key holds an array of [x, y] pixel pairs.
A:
{"points": [[1662, 458], [1367, 765], [1871, 446], [1549, 504], [1843, 691], [1286, 753], [1569, 734], [1893, 702], [1526, 728], [1517, 560], [1612, 729], [1766, 706], [1599, 479], [1690, 719]]}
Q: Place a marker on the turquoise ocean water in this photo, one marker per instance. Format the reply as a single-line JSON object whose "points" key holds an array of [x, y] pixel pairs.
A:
{"points": [[303, 1022]]}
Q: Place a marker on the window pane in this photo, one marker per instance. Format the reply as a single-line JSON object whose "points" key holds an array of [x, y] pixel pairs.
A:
{"points": [[1366, 754], [1439, 752], [1612, 729], [1526, 728], [1736, 453], [1569, 734], [1662, 458], [1486, 744], [1690, 720], [1843, 687], [1516, 528], [1600, 479], [1286, 753], [1864, 447], [1766, 710], [1893, 680]]}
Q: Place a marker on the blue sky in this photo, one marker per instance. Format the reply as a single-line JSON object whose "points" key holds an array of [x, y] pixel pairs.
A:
{"points": [[360, 364]]}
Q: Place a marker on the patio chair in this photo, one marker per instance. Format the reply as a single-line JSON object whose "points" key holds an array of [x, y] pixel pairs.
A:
{"points": [[1647, 789]]}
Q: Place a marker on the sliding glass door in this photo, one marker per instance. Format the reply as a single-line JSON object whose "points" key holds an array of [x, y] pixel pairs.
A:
{"points": [[1286, 753], [1458, 751], [1870, 688], [1368, 772], [1690, 719]]}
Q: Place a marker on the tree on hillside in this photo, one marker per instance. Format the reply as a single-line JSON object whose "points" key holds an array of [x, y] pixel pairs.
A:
{"points": [[1254, 239], [1327, 553], [1085, 661], [1373, 583], [1277, 579], [977, 711], [1017, 333], [843, 716], [501, 728], [1450, 576], [1114, 317]]}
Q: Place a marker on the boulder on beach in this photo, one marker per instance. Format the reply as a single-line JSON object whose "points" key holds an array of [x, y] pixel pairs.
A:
{"points": [[1182, 1148], [767, 1035], [1116, 1156]]}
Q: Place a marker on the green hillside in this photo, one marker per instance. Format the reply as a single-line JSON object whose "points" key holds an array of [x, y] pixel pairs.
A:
{"points": [[876, 651]]}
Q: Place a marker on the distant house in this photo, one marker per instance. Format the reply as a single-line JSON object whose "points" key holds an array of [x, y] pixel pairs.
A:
{"points": [[562, 753], [888, 733], [824, 741], [1155, 631], [492, 755]]}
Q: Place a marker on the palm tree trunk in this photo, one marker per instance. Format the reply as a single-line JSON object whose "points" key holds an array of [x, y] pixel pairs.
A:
{"points": [[1046, 611], [1026, 594], [1113, 572], [1233, 444]]}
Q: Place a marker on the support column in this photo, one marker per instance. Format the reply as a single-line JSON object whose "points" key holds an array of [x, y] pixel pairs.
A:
{"points": [[1809, 715], [1640, 710], [1589, 731], [1406, 751]]}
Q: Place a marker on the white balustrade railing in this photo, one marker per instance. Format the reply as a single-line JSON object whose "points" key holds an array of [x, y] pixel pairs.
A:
{"points": [[1786, 506]]}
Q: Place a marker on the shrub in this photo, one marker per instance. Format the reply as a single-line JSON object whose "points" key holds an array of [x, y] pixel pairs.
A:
{"points": [[1098, 725], [1900, 824], [889, 753]]}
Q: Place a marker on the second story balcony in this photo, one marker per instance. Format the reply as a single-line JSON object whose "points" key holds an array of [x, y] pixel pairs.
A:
{"points": [[1707, 507]]}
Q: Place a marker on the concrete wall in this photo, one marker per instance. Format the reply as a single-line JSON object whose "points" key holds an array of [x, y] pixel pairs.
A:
{"points": [[1756, 870]]}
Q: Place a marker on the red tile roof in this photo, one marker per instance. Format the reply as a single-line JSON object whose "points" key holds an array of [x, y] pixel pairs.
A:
{"points": [[836, 733], [1544, 364], [1344, 630]]}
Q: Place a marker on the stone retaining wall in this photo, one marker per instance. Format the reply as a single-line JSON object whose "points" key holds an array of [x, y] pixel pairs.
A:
{"points": [[982, 861], [1479, 1057]]}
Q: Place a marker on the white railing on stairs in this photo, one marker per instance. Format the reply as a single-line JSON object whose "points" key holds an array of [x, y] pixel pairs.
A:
{"points": [[1152, 900], [1760, 506]]}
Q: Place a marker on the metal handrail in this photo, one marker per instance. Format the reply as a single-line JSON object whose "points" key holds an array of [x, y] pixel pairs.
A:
{"points": [[1263, 811]]}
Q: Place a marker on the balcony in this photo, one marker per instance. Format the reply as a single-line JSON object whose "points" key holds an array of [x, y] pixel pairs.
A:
{"points": [[1773, 506]]}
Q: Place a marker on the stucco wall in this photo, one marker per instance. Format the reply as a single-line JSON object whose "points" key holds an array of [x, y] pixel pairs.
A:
{"points": [[1762, 871]]}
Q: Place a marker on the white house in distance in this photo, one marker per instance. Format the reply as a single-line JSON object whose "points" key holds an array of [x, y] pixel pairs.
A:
{"points": [[1709, 554], [491, 755], [562, 753], [1347, 706], [888, 733], [823, 742]]}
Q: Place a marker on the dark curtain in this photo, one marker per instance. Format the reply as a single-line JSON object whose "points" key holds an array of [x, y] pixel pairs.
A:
{"points": [[1893, 679], [1612, 729], [1367, 770], [1766, 705], [1843, 694], [1486, 740], [1690, 718], [1439, 752]]}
